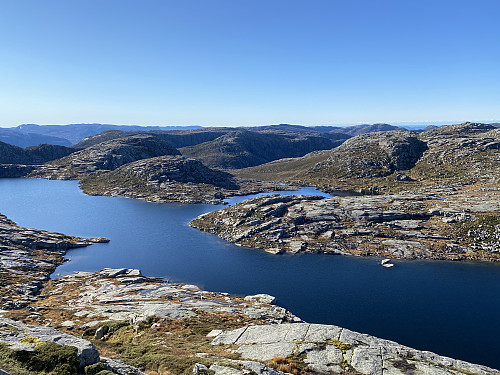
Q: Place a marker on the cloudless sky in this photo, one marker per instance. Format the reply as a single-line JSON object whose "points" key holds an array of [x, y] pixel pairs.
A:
{"points": [[248, 62]]}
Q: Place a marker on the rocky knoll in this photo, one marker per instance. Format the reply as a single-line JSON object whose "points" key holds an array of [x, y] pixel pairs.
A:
{"points": [[465, 153], [125, 294], [163, 179], [400, 226], [372, 155], [105, 156], [28, 257], [462, 154]]}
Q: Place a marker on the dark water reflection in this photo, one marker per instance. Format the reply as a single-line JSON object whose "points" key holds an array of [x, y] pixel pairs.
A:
{"points": [[447, 307]]}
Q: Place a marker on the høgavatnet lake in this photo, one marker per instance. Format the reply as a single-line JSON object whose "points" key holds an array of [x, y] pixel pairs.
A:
{"points": [[450, 308]]}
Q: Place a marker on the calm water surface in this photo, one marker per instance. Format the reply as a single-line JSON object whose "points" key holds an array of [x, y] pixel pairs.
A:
{"points": [[447, 307]]}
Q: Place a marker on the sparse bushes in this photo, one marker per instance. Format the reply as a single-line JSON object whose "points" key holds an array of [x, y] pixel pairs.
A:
{"points": [[48, 357]]}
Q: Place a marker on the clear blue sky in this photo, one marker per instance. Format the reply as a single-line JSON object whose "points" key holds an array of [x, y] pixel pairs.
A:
{"points": [[248, 62]]}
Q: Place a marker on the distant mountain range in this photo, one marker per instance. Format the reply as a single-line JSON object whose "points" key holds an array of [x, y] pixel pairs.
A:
{"points": [[67, 135], [223, 147], [335, 131]]}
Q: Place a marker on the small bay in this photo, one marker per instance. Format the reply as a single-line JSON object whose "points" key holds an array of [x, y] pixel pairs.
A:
{"points": [[450, 308]]}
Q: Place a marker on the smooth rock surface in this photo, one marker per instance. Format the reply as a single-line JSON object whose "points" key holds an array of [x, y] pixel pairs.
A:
{"points": [[332, 349]]}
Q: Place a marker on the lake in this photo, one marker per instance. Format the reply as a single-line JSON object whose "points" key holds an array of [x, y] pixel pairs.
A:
{"points": [[450, 308]]}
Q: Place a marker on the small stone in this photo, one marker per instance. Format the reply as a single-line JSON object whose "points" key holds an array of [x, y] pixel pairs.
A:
{"points": [[101, 332], [262, 298], [199, 368]]}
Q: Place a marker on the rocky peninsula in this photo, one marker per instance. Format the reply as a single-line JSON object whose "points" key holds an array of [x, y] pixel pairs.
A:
{"points": [[430, 195], [459, 227], [173, 179], [27, 258], [104, 157]]}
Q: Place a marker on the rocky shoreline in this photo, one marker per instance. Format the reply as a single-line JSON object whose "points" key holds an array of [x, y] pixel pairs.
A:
{"points": [[124, 315], [452, 225], [27, 258]]}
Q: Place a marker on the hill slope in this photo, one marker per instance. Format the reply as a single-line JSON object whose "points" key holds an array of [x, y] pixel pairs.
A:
{"points": [[457, 154], [241, 148], [106, 156], [10, 154], [163, 179]]}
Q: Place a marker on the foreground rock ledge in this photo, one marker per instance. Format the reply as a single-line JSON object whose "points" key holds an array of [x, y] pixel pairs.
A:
{"points": [[331, 349], [245, 334]]}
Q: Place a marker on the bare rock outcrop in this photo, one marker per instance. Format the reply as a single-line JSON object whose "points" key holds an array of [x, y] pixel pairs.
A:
{"points": [[373, 155], [329, 349], [105, 156], [20, 336], [164, 179], [28, 257], [399, 226]]}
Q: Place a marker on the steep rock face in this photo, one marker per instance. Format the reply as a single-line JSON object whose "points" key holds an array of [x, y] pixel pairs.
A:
{"points": [[240, 149], [106, 156], [165, 178], [373, 155]]}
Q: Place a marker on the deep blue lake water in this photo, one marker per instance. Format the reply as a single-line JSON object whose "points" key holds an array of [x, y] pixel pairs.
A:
{"points": [[451, 308]]}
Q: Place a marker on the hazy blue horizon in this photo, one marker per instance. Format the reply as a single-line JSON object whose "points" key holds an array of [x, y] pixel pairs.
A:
{"points": [[412, 124]]}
